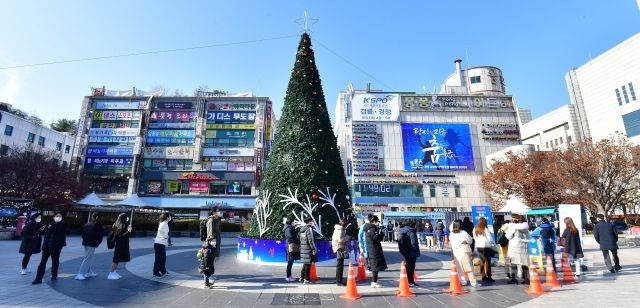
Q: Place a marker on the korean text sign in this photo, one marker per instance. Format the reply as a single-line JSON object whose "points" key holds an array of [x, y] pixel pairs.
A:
{"points": [[230, 117], [433, 146], [375, 107]]}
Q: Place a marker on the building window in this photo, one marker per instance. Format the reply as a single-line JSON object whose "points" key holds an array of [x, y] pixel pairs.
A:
{"points": [[632, 123], [64, 164], [560, 140], [624, 92], [8, 130], [41, 141], [618, 96], [632, 91], [67, 149], [432, 191], [556, 141], [546, 145], [568, 139], [58, 146], [475, 79], [4, 150], [31, 137], [537, 147], [456, 189]]}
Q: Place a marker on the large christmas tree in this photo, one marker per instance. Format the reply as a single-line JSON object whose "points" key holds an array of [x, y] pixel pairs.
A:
{"points": [[305, 176]]}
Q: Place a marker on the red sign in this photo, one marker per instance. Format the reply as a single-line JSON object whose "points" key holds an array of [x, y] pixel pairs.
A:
{"points": [[199, 186], [172, 116]]}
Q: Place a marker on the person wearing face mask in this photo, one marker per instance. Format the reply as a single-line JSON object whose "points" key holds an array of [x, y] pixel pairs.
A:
{"points": [[55, 238], [91, 238], [308, 251], [293, 246], [160, 246], [213, 228], [31, 240], [374, 237], [339, 241], [119, 240]]}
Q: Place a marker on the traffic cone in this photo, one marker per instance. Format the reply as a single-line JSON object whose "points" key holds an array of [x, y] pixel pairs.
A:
{"points": [[454, 281], [567, 274], [403, 288], [446, 240], [535, 287], [551, 281], [351, 292], [362, 274], [415, 276], [313, 274]]}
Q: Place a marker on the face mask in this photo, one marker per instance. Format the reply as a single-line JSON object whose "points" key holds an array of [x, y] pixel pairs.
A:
{"points": [[57, 219], [38, 220], [127, 219]]}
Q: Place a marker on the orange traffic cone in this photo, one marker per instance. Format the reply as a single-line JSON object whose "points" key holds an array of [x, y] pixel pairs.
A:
{"points": [[567, 274], [454, 281], [362, 274], [551, 281], [313, 274], [415, 276], [446, 240], [535, 287], [403, 288], [351, 292]]}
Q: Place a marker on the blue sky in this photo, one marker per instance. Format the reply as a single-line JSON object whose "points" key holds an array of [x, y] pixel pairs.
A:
{"points": [[404, 44]]}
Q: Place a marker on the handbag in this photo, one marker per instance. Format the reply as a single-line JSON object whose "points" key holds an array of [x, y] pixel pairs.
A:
{"points": [[111, 240], [292, 247], [342, 254]]}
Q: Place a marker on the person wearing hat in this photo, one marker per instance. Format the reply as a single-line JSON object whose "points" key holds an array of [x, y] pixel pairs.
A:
{"points": [[207, 256]]}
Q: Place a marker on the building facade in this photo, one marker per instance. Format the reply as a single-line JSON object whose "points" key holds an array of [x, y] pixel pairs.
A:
{"points": [[554, 130], [425, 152], [176, 152], [604, 91], [524, 115], [17, 132]]}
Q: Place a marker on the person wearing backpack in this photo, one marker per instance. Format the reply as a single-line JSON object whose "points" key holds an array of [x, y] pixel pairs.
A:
{"points": [[213, 228], [409, 248], [546, 236], [91, 238]]}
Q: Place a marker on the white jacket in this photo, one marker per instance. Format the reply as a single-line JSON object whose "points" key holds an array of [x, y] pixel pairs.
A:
{"points": [[163, 234], [485, 240], [460, 243]]}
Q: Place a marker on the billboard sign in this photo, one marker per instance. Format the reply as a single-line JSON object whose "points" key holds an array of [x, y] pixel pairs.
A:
{"points": [[174, 105], [229, 152], [375, 107], [119, 105], [230, 117], [116, 115], [109, 151], [129, 132], [108, 161], [170, 140], [111, 139], [171, 125], [171, 133], [478, 211], [177, 152], [168, 116], [234, 134], [434, 146], [231, 106]]}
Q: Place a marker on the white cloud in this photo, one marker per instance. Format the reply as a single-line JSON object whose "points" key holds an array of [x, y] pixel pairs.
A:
{"points": [[11, 81]]}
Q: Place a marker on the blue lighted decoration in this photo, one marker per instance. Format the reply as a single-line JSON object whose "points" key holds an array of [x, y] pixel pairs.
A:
{"points": [[273, 252]]}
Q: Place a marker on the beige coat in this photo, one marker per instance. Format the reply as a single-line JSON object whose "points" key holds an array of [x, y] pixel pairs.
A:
{"points": [[461, 247], [338, 239]]}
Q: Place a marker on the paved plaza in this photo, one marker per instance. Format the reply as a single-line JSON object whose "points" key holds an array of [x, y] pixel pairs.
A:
{"points": [[247, 285]]}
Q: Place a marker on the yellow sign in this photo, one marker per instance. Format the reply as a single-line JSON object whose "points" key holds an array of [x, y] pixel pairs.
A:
{"points": [[231, 126], [173, 186]]}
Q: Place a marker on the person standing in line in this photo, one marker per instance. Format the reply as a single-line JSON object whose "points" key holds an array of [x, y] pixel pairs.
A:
{"points": [[207, 256], [362, 243], [160, 246], [517, 232], [428, 229], [409, 248], [439, 234], [467, 226], [308, 251], [92, 235], [119, 238], [213, 228], [460, 242], [606, 235], [376, 258], [170, 228], [293, 246], [54, 239], [31, 240], [339, 241], [572, 244], [483, 238], [546, 236]]}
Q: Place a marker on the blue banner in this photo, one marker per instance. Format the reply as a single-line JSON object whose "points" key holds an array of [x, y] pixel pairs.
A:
{"points": [[171, 133], [170, 140], [171, 125], [106, 161], [434, 146], [478, 211], [109, 151], [230, 117]]}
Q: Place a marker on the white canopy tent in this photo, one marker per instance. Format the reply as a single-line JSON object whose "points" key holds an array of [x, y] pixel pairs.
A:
{"points": [[92, 201], [134, 202], [515, 205]]}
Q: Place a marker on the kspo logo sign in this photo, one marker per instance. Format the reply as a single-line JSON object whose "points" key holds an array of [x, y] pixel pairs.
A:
{"points": [[378, 100]]}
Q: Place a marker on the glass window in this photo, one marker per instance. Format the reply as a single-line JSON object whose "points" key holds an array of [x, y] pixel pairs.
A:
{"points": [[58, 146], [41, 141], [632, 123], [632, 91], [31, 137], [432, 191], [475, 79], [624, 92], [618, 96], [456, 189], [568, 139], [64, 164], [8, 130], [184, 187], [560, 140], [546, 145], [217, 187], [67, 149], [4, 150]]}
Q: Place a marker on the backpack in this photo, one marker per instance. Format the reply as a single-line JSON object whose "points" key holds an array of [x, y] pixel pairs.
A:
{"points": [[203, 230], [502, 238]]}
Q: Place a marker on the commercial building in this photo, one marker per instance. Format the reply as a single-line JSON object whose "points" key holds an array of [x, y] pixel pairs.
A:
{"points": [[176, 152], [19, 132], [524, 115], [554, 130], [604, 92], [405, 151]]}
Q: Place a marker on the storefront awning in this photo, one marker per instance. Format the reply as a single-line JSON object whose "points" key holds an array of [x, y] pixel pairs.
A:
{"points": [[542, 211], [187, 202]]}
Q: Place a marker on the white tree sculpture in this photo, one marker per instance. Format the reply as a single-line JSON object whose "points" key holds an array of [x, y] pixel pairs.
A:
{"points": [[262, 212], [330, 199], [307, 207]]}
